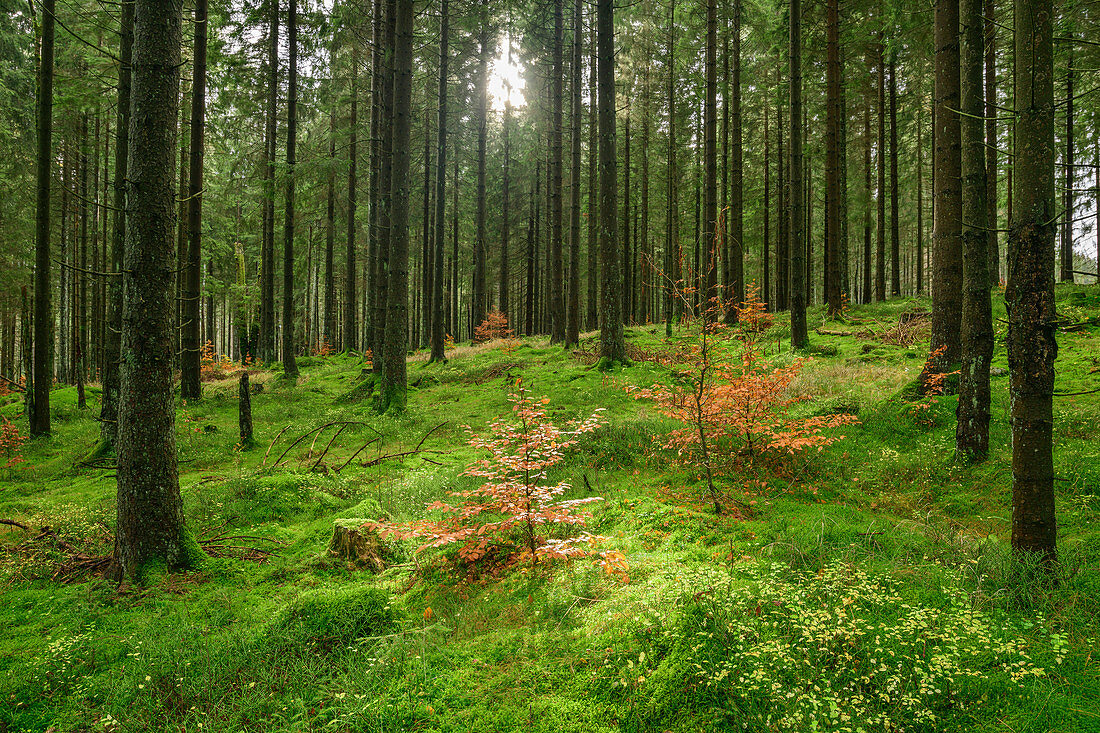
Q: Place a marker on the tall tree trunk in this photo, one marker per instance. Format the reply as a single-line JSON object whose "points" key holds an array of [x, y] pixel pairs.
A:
{"points": [[385, 193], [505, 276], [478, 304], [112, 336], [394, 381], [573, 324], [421, 326], [991, 139], [895, 229], [783, 244], [710, 163], [737, 203], [290, 363], [438, 353], [531, 313], [190, 378], [947, 215], [1032, 347], [591, 315], [881, 153], [80, 330], [799, 336], [267, 246], [628, 269], [865, 290], [351, 259], [329, 329], [972, 430], [612, 342], [374, 201], [766, 274], [832, 158], [150, 512], [919, 267], [43, 311]]}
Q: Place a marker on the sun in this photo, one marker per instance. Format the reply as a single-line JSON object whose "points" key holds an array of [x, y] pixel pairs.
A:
{"points": [[506, 78]]}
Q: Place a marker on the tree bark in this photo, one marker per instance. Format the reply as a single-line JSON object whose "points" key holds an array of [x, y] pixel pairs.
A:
{"points": [[479, 301], [150, 511], [710, 304], [1032, 347], [737, 203], [290, 363], [972, 428], [991, 139], [351, 259], [895, 225], [43, 310], [573, 324], [394, 380], [437, 340], [799, 336], [832, 158], [612, 342], [1066, 274], [880, 158], [267, 246], [947, 214], [190, 377]]}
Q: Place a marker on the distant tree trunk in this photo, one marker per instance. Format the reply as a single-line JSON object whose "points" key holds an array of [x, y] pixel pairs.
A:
{"points": [[351, 259], [438, 353], [1032, 347], [290, 363], [80, 330], [671, 276], [880, 231], [394, 381], [832, 158], [799, 336], [766, 274], [991, 139], [710, 165], [329, 328], [920, 207], [591, 315], [865, 290], [505, 275], [478, 304], [737, 202], [1066, 274], [573, 325], [947, 215], [267, 246], [421, 326], [532, 253], [43, 311], [190, 381], [628, 270], [972, 430], [150, 512], [895, 230], [783, 244], [612, 342], [843, 275]]}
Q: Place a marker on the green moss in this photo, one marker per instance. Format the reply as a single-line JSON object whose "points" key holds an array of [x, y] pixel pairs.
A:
{"points": [[330, 618]]}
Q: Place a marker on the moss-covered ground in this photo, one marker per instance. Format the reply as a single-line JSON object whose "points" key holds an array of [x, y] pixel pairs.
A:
{"points": [[868, 587]]}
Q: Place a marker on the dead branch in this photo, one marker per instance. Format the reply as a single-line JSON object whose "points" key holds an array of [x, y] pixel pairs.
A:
{"points": [[311, 432], [275, 440]]}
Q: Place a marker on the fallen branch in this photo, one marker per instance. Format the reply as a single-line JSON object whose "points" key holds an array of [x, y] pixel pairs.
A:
{"points": [[353, 455], [13, 383], [329, 445], [309, 433], [402, 454], [13, 523], [275, 440]]}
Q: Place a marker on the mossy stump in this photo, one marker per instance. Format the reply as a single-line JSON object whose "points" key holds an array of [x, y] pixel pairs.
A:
{"points": [[356, 542]]}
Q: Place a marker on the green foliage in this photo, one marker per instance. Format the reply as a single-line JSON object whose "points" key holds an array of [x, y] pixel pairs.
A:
{"points": [[329, 619]]}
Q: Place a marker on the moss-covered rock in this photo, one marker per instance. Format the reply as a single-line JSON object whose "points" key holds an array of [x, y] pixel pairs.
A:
{"points": [[327, 619]]}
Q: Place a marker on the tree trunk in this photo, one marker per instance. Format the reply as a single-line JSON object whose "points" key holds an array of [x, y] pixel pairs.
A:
{"points": [[832, 158], [766, 274], [880, 231], [374, 201], [394, 382], [737, 203], [895, 233], [478, 303], [150, 511], [920, 208], [267, 246], [573, 324], [783, 244], [591, 315], [351, 259], [43, 311], [709, 269], [438, 353], [947, 215], [244, 411], [991, 139], [972, 429], [190, 377], [1032, 347], [799, 336], [329, 328], [385, 193], [290, 363], [612, 342]]}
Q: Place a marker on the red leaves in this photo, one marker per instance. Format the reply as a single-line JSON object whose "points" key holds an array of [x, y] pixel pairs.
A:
{"points": [[516, 492], [495, 326], [11, 443]]}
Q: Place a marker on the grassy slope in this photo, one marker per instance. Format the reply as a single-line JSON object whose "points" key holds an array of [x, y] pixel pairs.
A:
{"points": [[879, 529]]}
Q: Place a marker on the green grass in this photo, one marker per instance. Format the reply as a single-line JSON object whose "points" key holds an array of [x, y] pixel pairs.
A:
{"points": [[868, 587]]}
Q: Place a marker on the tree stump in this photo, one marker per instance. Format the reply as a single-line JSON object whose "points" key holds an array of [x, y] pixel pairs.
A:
{"points": [[356, 542], [244, 411]]}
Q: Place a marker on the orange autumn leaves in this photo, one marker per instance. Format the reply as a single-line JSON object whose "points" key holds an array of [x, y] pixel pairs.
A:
{"points": [[504, 519]]}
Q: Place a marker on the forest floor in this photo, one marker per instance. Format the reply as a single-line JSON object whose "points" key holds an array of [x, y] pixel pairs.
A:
{"points": [[867, 587]]}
